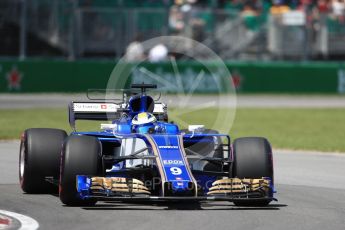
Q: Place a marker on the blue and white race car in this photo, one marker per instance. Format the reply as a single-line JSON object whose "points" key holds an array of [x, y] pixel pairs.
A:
{"points": [[140, 156]]}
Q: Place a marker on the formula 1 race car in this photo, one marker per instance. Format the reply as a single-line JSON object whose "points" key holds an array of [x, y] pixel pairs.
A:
{"points": [[140, 156]]}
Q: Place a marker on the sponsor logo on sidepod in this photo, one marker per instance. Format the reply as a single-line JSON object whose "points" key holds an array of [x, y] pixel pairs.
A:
{"points": [[168, 147], [172, 162]]}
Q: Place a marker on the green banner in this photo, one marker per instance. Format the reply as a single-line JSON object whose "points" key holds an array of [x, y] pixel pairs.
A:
{"points": [[64, 76], [53, 76], [286, 77], [185, 78]]}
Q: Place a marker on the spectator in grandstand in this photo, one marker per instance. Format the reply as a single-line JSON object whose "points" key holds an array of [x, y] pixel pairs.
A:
{"points": [[307, 2], [320, 13], [248, 11], [323, 6], [279, 7], [198, 29], [186, 18], [197, 20], [135, 50], [249, 15], [176, 23], [158, 53], [338, 10]]}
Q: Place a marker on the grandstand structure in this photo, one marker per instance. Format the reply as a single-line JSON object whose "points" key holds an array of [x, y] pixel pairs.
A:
{"points": [[104, 28]]}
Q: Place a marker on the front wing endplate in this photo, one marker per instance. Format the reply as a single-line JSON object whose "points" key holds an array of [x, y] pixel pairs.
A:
{"points": [[236, 185]]}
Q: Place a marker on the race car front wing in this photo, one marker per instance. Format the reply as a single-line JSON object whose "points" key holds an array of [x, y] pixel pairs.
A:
{"points": [[125, 189]]}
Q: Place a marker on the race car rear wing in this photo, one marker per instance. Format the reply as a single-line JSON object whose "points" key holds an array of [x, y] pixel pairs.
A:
{"points": [[103, 111]]}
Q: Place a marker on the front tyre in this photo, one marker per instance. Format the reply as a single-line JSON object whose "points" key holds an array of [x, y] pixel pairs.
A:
{"points": [[80, 156], [252, 159], [39, 157]]}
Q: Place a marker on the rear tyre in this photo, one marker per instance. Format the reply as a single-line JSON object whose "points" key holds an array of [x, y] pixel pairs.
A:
{"points": [[81, 155], [39, 157], [252, 159]]}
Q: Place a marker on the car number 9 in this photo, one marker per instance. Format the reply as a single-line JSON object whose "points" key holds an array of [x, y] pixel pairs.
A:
{"points": [[175, 171]]}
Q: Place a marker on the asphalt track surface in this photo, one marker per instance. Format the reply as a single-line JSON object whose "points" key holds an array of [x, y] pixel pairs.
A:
{"points": [[14, 101], [311, 194]]}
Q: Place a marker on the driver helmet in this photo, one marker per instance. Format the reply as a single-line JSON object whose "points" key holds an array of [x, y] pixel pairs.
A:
{"points": [[144, 121]]}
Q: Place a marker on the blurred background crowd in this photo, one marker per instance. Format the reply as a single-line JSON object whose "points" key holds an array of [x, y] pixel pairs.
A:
{"points": [[235, 29]]}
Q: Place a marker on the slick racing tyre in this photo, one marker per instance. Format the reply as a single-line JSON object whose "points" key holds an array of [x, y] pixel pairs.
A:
{"points": [[81, 155], [39, 157], [252, 159]]}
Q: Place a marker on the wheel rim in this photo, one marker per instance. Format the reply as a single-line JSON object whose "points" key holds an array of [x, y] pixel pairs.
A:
{"points": [[22, 161]]}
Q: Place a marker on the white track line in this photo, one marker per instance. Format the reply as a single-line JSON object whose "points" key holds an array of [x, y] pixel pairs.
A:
{"points": [[27, 223]]}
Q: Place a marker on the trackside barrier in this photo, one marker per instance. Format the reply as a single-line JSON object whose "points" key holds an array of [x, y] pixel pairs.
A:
{"points": [[35, 76]]}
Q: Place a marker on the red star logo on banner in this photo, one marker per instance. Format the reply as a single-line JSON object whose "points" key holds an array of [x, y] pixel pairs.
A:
{"points": [[236, 80], [14, 79]]}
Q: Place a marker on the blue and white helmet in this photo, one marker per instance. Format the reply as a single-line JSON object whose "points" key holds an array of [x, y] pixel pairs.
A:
{"points": [[143, 118]]}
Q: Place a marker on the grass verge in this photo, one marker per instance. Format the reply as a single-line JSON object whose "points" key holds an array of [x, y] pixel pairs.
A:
{"points": [[308, 129]]}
